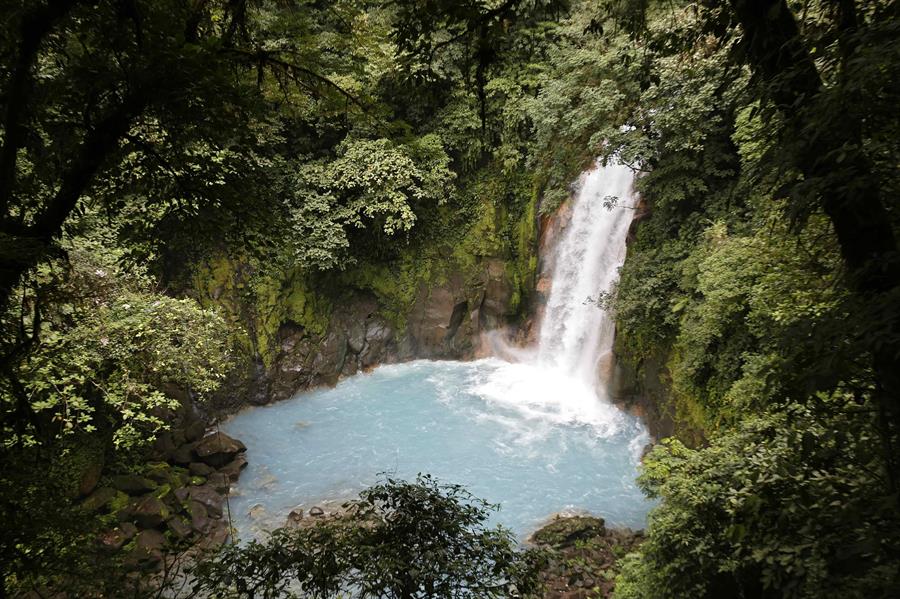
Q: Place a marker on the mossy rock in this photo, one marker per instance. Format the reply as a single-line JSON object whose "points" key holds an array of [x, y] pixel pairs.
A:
{"points": [[167, 475], [99, 499], [149, 512], [565, 531], [133, 484], [159, 472], [119, 502]]}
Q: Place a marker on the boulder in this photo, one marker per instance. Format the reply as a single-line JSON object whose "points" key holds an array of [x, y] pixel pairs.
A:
{"points": [[215, 537], [256, 512], [199, 516], [218, 449], [563, 532], [233, 468], [148, 548], [162, 473], [89, 479], [128, 529], [211, 499], [195, 430], [178, 437], [111, 540], [133, 484], [115, 538], [180, 528], [182, 494], [149, 512], [150, 539], [219, 481], [184, 455], [295, 518], [199, 469], [98, 499], [316, 512], [164, 446]]}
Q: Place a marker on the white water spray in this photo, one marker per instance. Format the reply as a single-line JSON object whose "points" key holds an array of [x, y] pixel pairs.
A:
{"points": [[577, 333]]}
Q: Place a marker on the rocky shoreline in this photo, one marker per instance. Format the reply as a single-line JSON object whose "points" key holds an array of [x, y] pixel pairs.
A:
{"points": [[583, 556], [177, 501]]}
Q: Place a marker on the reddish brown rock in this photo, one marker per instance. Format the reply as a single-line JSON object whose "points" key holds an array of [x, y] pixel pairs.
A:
{"points": [[211, 499]]}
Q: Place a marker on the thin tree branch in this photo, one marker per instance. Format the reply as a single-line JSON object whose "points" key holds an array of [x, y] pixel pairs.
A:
{"points": [[269, 58]]}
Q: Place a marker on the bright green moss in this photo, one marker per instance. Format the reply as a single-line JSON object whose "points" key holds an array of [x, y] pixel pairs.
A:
{"points": [[119, 502]]}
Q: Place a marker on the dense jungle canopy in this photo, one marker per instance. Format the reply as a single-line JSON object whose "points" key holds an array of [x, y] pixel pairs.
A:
{"points": [[303, 149]]}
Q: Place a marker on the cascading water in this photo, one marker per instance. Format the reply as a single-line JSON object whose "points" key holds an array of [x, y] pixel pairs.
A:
{"points": [[576, 334], [537, 436], [561, 378]]}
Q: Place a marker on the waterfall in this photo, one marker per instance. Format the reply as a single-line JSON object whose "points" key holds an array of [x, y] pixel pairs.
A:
{"points": [[557, 381], [534, 432], [577, 334]]}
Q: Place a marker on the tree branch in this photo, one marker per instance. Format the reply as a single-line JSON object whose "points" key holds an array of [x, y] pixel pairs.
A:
{"points": [[98, 143], [265, 57]]}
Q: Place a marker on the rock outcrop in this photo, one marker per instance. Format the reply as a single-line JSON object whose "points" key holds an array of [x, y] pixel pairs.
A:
{"points": [[445, 320], [217, 449], [295, 329], [583, 556], [174, 503]]}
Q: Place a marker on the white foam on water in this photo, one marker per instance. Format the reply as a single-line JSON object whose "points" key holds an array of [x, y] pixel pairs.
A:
{"points": [[546, 394]]}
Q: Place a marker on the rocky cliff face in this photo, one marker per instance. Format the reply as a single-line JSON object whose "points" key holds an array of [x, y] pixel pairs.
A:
{"points": [[445, 321], [294, 330]]}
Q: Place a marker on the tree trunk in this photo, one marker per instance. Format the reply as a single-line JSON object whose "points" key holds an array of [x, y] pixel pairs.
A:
{"points": [[32, 243]]}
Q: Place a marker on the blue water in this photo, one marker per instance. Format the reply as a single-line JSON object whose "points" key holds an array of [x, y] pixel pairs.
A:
{"points": [[516, 435]]}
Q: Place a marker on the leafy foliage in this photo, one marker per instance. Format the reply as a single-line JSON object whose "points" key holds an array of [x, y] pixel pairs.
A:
{"points": [[332, 197], [781, 506], [743, 276], [399, 540], [107, 355]]}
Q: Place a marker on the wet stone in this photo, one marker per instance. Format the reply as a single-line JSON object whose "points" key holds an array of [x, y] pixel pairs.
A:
{"points": [[200, 469]]}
